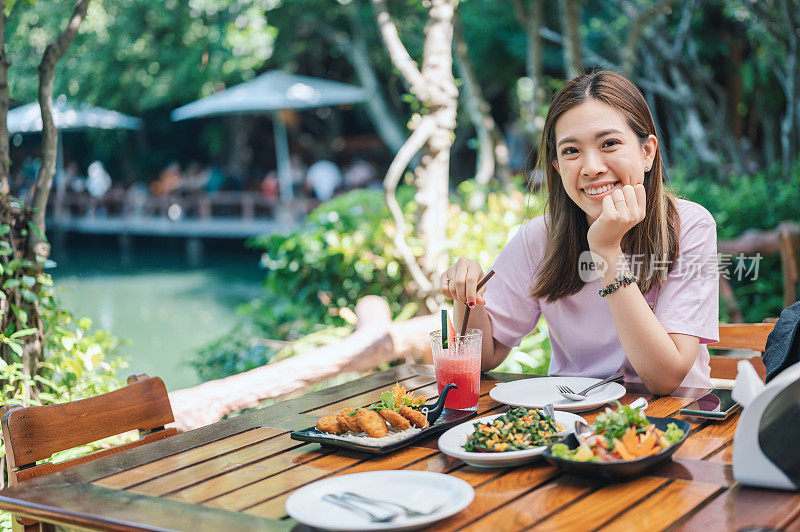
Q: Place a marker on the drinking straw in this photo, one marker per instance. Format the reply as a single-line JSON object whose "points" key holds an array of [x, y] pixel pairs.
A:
{"points": [[444, 328], [466, 312]]}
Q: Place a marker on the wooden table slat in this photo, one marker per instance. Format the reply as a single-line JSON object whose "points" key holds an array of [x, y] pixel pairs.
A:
{"points": [[194, 474], [598, 507], [741, 507], [329, 465], [184, 459], [665, 507]]}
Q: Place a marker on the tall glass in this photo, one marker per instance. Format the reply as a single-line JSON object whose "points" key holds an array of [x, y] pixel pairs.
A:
{"points": [[460, 364]]}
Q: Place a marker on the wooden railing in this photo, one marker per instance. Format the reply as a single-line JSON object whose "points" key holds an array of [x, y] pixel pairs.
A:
{"points": [[118, 203]]}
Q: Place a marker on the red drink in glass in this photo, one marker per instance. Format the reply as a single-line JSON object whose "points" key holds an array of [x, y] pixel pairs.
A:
{"points": [[461, 373], [460, 364]]}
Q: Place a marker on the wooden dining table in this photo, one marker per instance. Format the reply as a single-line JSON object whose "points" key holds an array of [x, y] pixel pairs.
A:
{"points": [[238, 473]]}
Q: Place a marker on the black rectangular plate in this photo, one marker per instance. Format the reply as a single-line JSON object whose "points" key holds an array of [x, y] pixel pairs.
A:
{"points": [[449, 418]]}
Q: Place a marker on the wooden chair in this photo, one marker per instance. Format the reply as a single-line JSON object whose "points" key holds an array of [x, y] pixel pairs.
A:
{"points": [[752, 336], [789, 245], [34, 433]]}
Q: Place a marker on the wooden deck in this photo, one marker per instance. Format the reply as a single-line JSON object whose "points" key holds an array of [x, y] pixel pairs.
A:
{"points": [[227, 214]]}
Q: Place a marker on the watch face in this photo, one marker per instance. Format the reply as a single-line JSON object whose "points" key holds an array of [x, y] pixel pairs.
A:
{"points": [[779, 431]]}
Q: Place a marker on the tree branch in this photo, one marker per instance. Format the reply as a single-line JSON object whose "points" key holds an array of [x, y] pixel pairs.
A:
{"points": [[44, 182], [397, 51], [519, 12], [573, 53], [354, 48], [592, 58], [414, 144], [638, 18]]}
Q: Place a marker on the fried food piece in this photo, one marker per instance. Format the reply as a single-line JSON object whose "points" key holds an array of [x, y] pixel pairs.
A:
{"points": [[349, 423], [372, 423], [395, 419], [416, 417], [329, 424]]}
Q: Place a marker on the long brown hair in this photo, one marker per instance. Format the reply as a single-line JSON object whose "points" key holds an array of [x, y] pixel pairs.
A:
{"points": [[653, 241]]}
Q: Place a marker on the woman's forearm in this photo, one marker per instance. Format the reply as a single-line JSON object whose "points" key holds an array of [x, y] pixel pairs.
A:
{"points": [[652, 353]]}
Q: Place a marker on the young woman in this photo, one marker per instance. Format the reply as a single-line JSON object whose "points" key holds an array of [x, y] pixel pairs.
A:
{"points": [[653, 302]]}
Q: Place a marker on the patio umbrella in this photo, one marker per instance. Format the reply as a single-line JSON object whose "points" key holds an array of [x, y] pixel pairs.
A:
{"points": [[67, 117], [270, 93]]}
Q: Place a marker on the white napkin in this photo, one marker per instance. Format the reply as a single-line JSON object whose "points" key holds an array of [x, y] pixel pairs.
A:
{"points": [[748, 384]]}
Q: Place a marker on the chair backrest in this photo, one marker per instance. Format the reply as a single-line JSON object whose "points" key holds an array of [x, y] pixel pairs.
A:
{"points": [[36, 432], [752, 336], [789, 243]]}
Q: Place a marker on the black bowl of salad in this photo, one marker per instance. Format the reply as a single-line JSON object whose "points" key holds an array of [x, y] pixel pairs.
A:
{"points": [[624, 443]]}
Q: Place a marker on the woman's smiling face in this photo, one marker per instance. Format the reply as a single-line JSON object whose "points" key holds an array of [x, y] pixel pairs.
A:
{"points": [[598, 152]]}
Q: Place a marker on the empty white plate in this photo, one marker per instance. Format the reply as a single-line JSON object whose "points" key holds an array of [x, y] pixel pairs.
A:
{"points": [[539, 391], [419, 490], [452, 443]]}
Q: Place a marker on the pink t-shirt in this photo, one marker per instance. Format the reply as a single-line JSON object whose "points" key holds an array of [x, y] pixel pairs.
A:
{"points": [[583, 338]]}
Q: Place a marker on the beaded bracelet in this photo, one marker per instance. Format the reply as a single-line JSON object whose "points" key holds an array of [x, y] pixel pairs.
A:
{"points": [[622, 280]]}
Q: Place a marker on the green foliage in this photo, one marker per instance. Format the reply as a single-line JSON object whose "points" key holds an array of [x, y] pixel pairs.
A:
{"points": [[141, 54], [79, 362], [741, 202], [343, 253], [532, 355]]}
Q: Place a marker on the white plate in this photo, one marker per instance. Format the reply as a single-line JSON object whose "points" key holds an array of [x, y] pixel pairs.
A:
{"points": [[537, 392], [452, 443], [418, 490]]}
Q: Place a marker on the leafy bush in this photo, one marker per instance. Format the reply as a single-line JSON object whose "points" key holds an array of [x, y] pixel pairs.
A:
{"points": [[344, 252], [741, 202], [79, 362]]}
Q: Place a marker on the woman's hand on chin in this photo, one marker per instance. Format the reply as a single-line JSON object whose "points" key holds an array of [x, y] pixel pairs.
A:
{"points": [[622, 209]]}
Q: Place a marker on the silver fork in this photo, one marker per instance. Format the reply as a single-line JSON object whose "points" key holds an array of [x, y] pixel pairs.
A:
{"points": [[335, 499], [567, 392], [409, 512]]}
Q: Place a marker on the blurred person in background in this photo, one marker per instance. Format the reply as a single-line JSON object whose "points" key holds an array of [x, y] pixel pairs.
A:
{"points": [[98, 182], [323, 178], [359, 174]]}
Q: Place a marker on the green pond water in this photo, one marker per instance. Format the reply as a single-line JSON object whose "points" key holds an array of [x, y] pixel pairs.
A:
{"points": [[166, 308]]}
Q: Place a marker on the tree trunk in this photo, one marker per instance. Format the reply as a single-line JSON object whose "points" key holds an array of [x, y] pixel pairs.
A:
{"points": [[435, 87], [24, 239], [376, 340], [432, 177], [44, 182], [573, 52], [382, 117]]}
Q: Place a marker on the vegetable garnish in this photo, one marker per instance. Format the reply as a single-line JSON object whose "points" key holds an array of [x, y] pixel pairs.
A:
{"points": [[398, 397], [516, 430], [621, 434]]}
